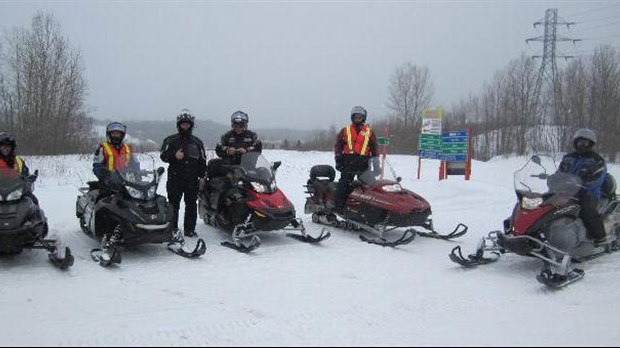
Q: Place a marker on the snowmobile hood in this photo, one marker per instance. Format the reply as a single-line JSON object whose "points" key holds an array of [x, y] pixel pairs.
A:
{"points": [[402, 202]]}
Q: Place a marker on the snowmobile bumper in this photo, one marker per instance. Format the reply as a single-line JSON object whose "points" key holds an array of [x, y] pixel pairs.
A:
{"points": [[271, 221], [14, 240], [409, 219], [153, 234], [521, 245]]}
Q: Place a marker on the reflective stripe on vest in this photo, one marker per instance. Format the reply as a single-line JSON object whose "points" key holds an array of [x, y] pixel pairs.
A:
{"points": [[361, 141], [18, 162], [115, 160]]}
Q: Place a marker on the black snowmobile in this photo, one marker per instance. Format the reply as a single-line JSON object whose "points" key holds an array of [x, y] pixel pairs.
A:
{"points": [[377, 205], [23, 224], [245, 200], [128, 211]]}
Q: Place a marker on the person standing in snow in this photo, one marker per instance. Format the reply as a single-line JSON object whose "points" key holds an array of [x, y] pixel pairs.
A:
{"points": [[185, 154]]}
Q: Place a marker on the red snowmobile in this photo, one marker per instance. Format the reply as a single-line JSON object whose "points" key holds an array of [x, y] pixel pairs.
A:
{"points": [[545, 224], [377, 205], [247, 202]]}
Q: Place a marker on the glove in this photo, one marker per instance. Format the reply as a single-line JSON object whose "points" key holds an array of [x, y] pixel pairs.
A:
{"points": [[339, 162]]}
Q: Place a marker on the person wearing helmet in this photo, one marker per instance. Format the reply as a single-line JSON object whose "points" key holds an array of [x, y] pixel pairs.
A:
{"points": [[185, 154], [233, 144], [112, 154], [591, 168], [12, 164], [8, 158], [355, 145], [238, 140]]}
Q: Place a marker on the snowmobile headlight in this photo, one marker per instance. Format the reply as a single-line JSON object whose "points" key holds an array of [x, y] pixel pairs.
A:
{"points": [[531, 203], [260, 188], [15, 195], [150, 194], [135, 193], [392, 188]]}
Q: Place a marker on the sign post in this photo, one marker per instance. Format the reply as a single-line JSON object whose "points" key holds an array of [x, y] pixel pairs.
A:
{"points": [[456, 153], [430, 142]]}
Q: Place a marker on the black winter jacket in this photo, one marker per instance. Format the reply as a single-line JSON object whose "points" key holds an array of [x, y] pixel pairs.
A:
{"points": [[247, 140], [193, 165]]}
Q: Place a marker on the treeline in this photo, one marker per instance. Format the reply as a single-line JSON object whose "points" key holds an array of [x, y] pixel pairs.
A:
{"points": [[506, 116], [43, 90]]}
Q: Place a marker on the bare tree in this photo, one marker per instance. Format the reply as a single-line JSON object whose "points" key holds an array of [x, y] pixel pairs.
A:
{"points": [[42, 90], [411, 90]]}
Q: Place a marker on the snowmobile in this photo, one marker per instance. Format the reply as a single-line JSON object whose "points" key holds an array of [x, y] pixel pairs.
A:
{"points": [[244, 200], [23, 224], [545, 224], [127, 211], [377, 205]]}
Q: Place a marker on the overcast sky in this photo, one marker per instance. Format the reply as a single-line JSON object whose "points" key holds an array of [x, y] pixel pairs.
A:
{"points": [[298, 64]]}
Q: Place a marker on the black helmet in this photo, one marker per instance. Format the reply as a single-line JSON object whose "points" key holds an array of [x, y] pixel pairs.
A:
{"points": [[115, 127], [185, 117], [8, 139], [358, 110], [239, 117], [585, 134]]}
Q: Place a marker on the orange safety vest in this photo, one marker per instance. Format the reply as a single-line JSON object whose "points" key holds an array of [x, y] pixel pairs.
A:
{"points": [[18, 162], [115, 159], [357, 143]]}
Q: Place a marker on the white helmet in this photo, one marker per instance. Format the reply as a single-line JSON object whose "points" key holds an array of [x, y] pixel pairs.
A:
{"points": [[358, 110], [585, 133]]}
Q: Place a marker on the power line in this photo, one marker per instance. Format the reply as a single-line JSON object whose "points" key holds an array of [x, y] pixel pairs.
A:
{"points": [[579, 14]]}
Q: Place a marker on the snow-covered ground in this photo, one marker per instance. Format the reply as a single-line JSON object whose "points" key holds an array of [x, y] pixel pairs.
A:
{"points": [[343, 292]]}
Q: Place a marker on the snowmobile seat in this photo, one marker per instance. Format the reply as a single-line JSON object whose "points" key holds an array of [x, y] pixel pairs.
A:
{"points": [[322, 171], [217, 184], [608, 189], [215, 168], [93, 185]]}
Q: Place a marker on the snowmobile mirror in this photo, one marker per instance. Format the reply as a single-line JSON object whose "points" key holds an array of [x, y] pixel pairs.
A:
{"points": [[276, 165], [160, 171], [399, 179], [536, 159], [33, 177]]}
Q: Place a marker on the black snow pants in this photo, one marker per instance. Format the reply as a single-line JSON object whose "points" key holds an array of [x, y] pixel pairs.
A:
{"points": [[180, 186]]}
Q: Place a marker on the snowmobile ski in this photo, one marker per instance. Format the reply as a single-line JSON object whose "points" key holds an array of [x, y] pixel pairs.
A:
{"points": [[406, 238], [458, 231], [179, 249], [106, 258], [472, 260], [556, 280], [306, 238], [241, 246], [62, 263]]}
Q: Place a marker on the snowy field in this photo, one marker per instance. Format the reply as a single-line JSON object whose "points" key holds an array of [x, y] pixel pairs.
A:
{"points": [[286, 293]]}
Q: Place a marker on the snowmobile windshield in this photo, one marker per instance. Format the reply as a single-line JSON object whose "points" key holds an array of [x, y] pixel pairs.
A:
{"points": [[539, 177], [256, 171], [141, 177], [380, 172], [12, 185], [257, 168]]}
